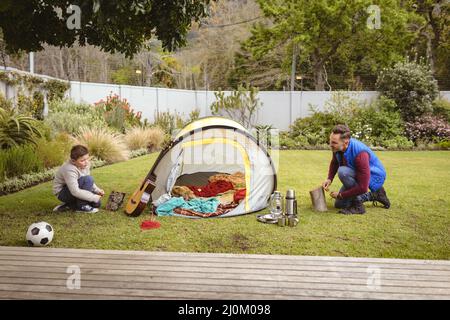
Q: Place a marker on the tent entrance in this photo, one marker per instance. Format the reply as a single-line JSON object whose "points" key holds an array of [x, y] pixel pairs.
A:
{"points": [[244, 165], [195, 179]]}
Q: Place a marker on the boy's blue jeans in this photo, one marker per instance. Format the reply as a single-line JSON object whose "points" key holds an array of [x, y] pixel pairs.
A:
{"points": [[85, 183], [348, 178]]}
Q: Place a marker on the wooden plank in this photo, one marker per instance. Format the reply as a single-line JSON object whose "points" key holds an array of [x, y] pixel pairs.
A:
{"points": [[201, 264], [252, 280], [214, 267], [138, 293], [24, 295], [228, 255], [10, 255], [274, 287], [34, 272], [227, 275], [299, 294]]}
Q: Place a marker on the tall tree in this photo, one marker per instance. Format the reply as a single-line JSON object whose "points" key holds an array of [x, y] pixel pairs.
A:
{"points": [[327, 30], [115, 26], [435, 35], [213, 42]]}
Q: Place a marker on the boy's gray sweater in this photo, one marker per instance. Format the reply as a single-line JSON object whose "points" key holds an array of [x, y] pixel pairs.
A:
{"points": [[68, 174]]}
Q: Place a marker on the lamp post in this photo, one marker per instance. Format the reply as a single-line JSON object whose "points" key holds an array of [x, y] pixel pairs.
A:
{"points": [[299, 77], [138, 71], [31, 61]]}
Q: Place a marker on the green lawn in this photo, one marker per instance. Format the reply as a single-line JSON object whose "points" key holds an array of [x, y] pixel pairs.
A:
{"points": [[416, 226]]}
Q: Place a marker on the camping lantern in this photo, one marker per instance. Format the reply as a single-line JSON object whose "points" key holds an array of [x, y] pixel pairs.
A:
{"points": [[276, 204]]}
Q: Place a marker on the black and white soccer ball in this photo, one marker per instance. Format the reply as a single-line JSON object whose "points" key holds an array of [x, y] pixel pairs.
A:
{"points": [[39, 234]]}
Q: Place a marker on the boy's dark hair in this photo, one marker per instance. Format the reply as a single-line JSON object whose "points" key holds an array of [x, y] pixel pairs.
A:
{"points": [[78, 151], [343, 130]]}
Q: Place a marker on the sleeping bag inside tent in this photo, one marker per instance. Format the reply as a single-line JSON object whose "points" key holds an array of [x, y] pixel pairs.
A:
{"points": [[213, 167]]}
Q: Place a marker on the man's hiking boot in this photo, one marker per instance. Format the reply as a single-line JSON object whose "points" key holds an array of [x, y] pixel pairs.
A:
{"points": [[357, 207], [381, 197]]}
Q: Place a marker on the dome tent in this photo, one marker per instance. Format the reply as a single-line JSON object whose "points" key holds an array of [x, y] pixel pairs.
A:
{"points": [[205, 147]]}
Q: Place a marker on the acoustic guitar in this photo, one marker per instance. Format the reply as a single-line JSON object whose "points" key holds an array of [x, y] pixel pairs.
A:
{"points": [[138, 201]]}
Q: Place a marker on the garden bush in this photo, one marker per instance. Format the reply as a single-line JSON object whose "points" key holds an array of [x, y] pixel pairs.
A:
{"points": [[397, 143], [26, 180], [411, 85], [441, 107], [103, 144], [171, 122], [315, 128], [241, 104], [118, 113], [54, 152], [18, 160], [30, 179], [149, 138], [2, 168], [31, 105], [428, 128], [379, 124], [444, 144], [68, 116], [375, 124], [138, 152], [5, 103], [166, 121]]}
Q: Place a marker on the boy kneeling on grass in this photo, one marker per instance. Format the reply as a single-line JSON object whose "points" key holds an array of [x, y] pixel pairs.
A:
{"points": [[73, 184]]}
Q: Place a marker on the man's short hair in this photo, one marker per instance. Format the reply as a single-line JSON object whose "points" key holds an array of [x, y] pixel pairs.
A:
{"points": [[78, 151], [343, 130]]}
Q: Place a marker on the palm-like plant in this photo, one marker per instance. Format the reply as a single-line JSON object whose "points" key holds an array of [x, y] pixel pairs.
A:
{"points": [[16, 129]]}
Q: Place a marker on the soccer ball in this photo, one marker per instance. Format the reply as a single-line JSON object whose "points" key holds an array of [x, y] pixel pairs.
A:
{"points": [[39, 234]]}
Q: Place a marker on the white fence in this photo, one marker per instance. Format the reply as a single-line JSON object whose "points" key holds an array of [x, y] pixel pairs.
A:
{"points": [[279, 108]]}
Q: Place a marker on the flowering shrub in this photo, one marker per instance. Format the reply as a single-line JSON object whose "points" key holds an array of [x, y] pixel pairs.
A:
{"points": [[118, 112], [375, 125], [371, 124], [441, 107], [69, 116], [428, 128], [411, 86]]}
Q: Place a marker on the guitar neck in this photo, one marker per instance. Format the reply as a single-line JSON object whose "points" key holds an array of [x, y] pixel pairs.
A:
{"points": [[150, 175]]}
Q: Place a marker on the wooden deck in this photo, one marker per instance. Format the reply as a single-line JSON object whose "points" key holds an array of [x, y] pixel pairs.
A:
{"points": [[42, 273]]}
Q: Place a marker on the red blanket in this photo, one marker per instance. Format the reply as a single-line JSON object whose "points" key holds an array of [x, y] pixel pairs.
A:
{"points": [[212, 189], [239, 195]]}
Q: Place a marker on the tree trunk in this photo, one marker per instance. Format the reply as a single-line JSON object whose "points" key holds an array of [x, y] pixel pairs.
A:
{"points": [[319, 81], [293, 66]]}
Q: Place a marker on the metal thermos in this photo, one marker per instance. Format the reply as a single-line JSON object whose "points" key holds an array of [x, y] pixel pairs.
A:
{"points": [[290, 203]]}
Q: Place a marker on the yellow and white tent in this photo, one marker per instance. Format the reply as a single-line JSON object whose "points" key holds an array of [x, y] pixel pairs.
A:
{"points": [[213, 145]]}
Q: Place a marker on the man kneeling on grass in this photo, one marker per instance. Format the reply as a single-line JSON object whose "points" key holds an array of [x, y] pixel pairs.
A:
{"points": [[359, 169], [73, 184]]}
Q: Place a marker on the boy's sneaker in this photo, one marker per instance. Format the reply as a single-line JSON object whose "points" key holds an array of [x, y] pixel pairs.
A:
{"points": [[61, 207], [87, 208]]}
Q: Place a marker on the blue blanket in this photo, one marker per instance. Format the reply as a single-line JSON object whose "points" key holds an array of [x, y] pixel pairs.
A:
{"points": [[199, 205]]}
